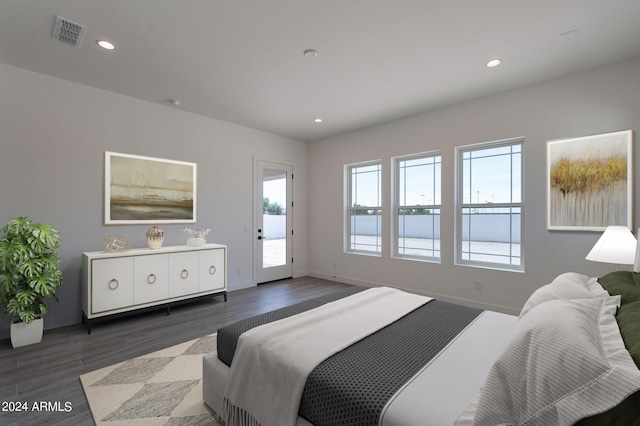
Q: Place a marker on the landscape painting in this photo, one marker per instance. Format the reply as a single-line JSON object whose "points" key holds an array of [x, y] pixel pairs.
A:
{"points": [[589, 182], [146, 190]]}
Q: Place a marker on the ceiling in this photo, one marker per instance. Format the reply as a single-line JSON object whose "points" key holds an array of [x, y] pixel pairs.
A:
{"points": [[242, 61]]}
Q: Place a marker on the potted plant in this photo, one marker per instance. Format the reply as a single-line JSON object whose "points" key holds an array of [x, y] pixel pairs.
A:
{"points": [[29, 273]]}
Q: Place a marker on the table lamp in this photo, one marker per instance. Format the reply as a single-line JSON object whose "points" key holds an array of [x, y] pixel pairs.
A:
{"points": [[616, 245], [636, 266]]}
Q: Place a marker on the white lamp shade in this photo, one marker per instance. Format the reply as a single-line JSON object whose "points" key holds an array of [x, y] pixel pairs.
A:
{"points": [[636, 266], [616, 245]]}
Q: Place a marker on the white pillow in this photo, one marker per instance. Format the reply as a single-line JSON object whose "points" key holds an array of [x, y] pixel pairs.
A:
{"points": [[564, 361], [564, 287]]}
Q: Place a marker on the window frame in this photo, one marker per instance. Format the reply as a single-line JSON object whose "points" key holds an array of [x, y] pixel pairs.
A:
{"points": [[460, 205], [348, 207], [396, 206]]}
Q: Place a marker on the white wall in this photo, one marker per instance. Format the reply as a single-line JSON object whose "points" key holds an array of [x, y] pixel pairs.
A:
{"points": [[601, 100], [53, 135]]}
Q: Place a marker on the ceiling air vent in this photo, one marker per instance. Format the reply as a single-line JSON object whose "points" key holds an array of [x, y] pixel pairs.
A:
{"points": [[68, 32]]}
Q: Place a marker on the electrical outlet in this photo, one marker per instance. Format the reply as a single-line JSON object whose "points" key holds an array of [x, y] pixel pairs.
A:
{"points": [[478, 286]]}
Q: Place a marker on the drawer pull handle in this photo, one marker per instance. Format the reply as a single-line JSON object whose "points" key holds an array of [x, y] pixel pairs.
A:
{"points": [[151, 279], [184, 274], [113, 284], [212, 270]]}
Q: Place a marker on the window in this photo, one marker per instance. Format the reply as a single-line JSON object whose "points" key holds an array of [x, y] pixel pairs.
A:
{"points": [[489, 205], [417, 207], [364, 211]]}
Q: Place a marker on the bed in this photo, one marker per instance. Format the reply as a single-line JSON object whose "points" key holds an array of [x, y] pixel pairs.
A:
{"points": [[570, 357]]}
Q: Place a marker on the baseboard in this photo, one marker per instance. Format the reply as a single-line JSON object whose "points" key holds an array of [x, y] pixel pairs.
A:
{"points": [[241, 285], [298, 274], [442, 297], [345, 280]]}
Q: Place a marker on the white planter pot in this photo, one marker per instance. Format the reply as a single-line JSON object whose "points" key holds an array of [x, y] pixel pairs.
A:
{"points": [[26, 334]]}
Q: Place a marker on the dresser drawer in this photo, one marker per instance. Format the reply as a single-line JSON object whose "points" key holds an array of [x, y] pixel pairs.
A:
{"points": [[183, 274], [150, 278], [212, 270], [111, 284]]}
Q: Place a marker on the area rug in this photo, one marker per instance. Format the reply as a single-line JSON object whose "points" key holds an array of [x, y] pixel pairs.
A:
{"points": [[161, 388]]}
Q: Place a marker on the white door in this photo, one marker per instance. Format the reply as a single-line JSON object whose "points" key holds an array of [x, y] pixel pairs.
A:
{"points": [[273, 225]]}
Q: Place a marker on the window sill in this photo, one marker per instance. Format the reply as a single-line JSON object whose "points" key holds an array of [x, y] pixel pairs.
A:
{"points": [[364, 253], [492, 266], [418, 259]]}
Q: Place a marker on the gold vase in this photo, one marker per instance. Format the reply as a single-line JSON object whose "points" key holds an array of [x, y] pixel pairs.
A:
{"points": [[155, 237]]}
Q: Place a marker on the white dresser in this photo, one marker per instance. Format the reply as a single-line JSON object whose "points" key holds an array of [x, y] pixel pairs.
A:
{"points": [[119, 283]]}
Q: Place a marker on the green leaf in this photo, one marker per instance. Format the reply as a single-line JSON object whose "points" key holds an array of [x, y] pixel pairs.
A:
{"points": [[46, 236], [20, 252], [6, 284], [43, 286], [25, 297], [27, 316], [43, 308], [50, 262], [13, 307], [17, 225], [31, 268]]}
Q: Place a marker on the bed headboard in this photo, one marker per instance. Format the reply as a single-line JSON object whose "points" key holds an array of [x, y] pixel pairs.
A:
{"points": [[626, 284]]}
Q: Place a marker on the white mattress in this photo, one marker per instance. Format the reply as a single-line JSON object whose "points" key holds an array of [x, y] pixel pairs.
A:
{"points": [[434, 396]]}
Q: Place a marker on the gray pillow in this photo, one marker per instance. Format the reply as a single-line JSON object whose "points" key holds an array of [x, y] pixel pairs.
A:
{"points": [[564, 361]]}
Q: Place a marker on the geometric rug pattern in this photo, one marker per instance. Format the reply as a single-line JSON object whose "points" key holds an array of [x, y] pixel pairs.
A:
{"points": [[161, 388]]}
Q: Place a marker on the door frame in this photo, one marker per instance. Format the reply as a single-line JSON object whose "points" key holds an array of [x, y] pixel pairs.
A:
{"points": [[260, 274]]}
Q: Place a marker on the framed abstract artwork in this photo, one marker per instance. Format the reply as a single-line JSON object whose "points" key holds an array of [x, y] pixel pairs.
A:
{"points": [[590, 182], [147, 190]]}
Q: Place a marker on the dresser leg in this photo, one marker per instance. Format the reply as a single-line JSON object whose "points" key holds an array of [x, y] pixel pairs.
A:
{"points": [[87, 321]]}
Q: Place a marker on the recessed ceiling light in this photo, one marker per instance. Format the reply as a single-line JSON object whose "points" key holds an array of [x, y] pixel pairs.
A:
{"points": [[105, 44], [318, 120], [174, 102], [493, 63], [310, 53]]}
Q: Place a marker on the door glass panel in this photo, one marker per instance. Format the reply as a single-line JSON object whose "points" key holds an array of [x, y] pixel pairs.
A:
{"points": [[274, 226]]}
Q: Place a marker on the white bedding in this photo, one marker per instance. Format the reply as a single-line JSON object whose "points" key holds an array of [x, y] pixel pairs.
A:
{"points": [[273, 361], [435, 396], [564, 359], [441, 390]]}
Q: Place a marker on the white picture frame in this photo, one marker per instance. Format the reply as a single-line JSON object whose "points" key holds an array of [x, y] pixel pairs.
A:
{"points": [[590, 182], [148, 190]]}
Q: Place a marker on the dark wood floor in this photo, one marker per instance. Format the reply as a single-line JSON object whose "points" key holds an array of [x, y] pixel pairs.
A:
{"points": [[49, 371]]}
